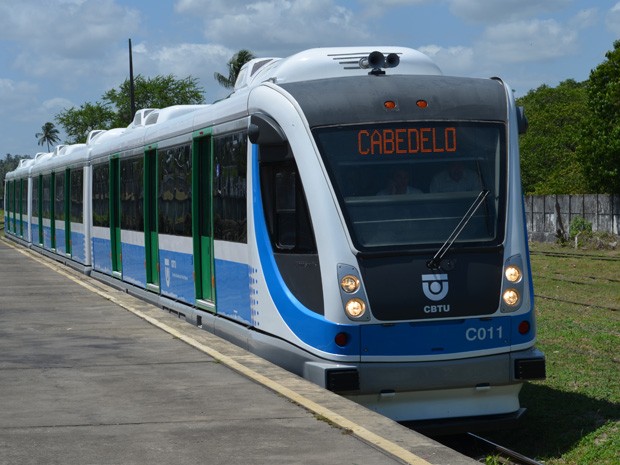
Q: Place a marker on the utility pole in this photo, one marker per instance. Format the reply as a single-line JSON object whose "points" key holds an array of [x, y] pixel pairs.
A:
{"points": [[132, 97]]}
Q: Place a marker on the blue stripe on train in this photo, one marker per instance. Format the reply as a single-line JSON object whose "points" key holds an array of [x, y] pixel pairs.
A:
{"points": [[311, 328], [78, 247]]}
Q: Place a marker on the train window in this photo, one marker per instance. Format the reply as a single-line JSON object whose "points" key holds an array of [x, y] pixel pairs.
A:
{"points": [[35, 199], [47, 196], [24, 193], [59, 196], [230, 187], [132, 198], [101, 195], [286, 209], [175, 189], [8, 207], [77, 195], [288, 223], [403, 185]]}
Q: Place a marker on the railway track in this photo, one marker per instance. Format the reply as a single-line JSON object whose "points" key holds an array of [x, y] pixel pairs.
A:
{"points": [[575, 255], [502, 454], [584, 280], [581, 304], [486, 451]]}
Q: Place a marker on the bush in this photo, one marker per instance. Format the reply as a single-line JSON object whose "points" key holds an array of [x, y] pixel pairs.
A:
{"points": [[579, 225]]}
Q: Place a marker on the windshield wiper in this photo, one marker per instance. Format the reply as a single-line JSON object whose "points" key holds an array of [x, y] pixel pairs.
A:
{"points": [[435, 262]]}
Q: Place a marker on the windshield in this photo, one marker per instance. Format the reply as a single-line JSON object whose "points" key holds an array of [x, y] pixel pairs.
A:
{"points": [[408, 185]]}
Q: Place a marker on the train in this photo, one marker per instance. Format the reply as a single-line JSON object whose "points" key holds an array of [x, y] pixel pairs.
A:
{"points": [[351, 214]]}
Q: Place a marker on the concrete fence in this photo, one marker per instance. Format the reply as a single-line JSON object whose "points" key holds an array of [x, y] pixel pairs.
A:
{"points": [[550, 215]]}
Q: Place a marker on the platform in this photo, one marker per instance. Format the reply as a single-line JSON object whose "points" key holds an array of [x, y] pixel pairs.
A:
{"points": [[91, 375]]}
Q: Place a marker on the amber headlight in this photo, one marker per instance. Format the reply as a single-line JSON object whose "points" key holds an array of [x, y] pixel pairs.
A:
{"points": [[511, 297], [513, 274], [350, 284], [355, 308]]}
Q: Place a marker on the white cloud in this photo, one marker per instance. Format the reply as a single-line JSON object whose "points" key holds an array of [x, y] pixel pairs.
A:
{"points": [[524, 41], [16, 97], [66, 29], [528, 41], [455, 61], [612, 20], [375, 9], [56, 104], [503, 10], [197, 60], [274, 26]]}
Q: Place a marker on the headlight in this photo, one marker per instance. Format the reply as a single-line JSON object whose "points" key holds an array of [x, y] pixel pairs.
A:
{"points": [[511, 297], [513, 274], [355, 308], [350, 284]]}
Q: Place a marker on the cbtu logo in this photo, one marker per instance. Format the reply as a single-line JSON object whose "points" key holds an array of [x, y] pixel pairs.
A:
{"points": [[435, 286]]}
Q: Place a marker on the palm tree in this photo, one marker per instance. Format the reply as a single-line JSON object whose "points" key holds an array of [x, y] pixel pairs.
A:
{"points": [[48, 135], [234, 66]]}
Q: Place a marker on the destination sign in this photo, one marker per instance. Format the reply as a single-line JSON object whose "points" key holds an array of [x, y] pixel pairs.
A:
{"points": [[406, 141]]}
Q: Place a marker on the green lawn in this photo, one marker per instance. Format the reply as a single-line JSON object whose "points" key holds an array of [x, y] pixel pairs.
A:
{"points": [[574, 415]]}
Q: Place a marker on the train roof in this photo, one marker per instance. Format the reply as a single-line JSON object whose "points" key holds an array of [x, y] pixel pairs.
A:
{"points": [[63, 155], [308, 65], [330, 62]]}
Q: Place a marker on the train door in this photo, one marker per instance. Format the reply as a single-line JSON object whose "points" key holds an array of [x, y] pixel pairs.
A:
{"points": [[67, 201], [39, 210], [151, 243], [115, 216], [58, 220], [11, 209], [202, 220], [49, 212], [22, 193]]}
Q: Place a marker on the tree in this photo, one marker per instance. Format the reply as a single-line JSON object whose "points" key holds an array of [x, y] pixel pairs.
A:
{"points": [[234, 66], [600, 147], [115, 108], [550, 163], [78, 122], [48, 134], [157, 92]]}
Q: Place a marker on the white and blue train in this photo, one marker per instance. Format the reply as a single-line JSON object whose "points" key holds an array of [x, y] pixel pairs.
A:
{"points": [[352, 215]]}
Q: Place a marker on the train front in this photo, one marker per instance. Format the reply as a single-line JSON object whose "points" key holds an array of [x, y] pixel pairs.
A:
{"points": [[422, 264]]}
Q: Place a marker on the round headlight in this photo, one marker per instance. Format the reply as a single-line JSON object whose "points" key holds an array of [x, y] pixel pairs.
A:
{"points": [[350, 284], [355, 308], [513, 274], [511, 297]]}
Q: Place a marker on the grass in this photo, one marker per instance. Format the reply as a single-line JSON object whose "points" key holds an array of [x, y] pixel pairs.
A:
{"points": [[574, 415]]}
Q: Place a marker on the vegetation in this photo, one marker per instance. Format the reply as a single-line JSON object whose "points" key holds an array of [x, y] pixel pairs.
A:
{"points": [[574, 415], [549, 160], [234, 66], [114, 108], [78, 122], [600, 150], [9, 163], [573, 142], [157, 92], [48, 135]]}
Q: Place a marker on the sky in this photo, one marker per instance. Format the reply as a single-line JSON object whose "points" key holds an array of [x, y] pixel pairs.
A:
{"points": [[57, 54]]}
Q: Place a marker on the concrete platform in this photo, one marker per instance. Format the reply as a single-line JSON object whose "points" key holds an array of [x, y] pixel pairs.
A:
{"points": [[91, 375]]}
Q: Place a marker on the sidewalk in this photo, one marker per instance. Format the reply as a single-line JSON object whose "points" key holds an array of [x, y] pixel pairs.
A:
{"points": [[91, 375]]}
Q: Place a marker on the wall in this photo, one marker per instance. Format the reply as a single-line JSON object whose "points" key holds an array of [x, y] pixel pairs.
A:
{"points": [[548, 214]]}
